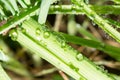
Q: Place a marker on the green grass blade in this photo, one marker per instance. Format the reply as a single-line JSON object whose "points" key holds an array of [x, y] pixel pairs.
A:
{"points": [[21, 2], [14, 4], [9, 6], [116, 1], [52, 47], [98, 20], [84, 32], [44, 7], [110, 50], [3, 75]]}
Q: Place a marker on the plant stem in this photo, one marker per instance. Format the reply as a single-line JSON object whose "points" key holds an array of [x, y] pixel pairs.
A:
{"points": [[44, 7], [52, 47], [74, 9]]}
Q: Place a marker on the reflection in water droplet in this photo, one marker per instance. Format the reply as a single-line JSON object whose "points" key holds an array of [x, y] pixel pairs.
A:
{"points": [[13, 34], [46, 34], [79, 57]]}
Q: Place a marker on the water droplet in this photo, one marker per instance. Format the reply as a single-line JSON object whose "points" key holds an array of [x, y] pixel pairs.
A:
{"points": [[63, 44], [73, 9], [79, 57], [13, 34], [38, 32], [46, 34], [23, 30], [73, 67]]}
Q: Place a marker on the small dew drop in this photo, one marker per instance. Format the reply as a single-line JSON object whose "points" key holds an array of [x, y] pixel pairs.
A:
{"points": [[14, 35], [46, 34], [63, 44], [73, 67], [79, 57], [73, 9], [24, 30], [38, 31]]}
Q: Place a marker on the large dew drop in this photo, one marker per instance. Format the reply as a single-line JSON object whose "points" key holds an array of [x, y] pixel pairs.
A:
{"points": [[79, 57], [14, 35]]}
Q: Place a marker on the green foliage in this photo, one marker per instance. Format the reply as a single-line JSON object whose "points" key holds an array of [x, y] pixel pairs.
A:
{"points": [[52, 46]]}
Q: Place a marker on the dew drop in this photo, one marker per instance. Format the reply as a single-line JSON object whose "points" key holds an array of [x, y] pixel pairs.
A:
{"points": [[73, 9], [14, 35], [73, 67], [23, 30], [79, 57], [46, 34], [37, 32], [63, 44]]}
